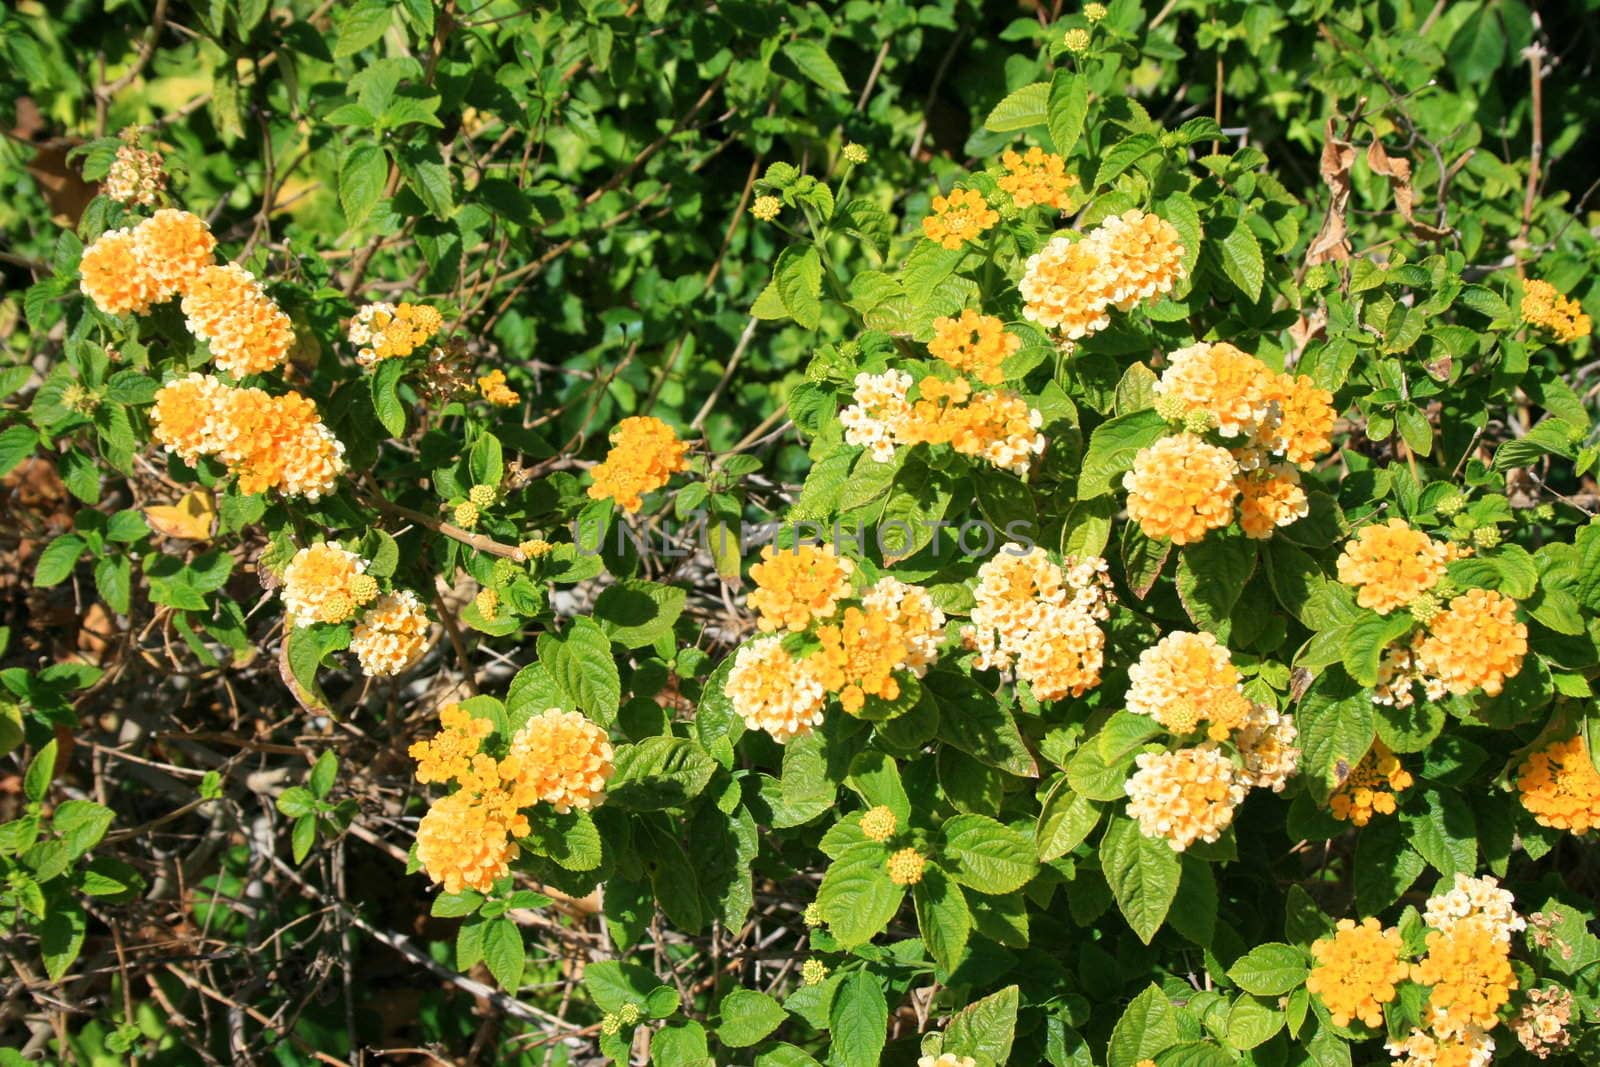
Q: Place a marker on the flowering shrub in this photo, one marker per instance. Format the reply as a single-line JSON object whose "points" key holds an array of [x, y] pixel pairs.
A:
{"points": [[703, 557]]}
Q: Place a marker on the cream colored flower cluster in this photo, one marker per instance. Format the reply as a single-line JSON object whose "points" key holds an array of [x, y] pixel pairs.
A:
{"points": [[995, 425], [137, 177], [1072, 286], [1037, 619], [326, 583], [390, 635], [1475, 642], [383, 331], [1185, 795]]}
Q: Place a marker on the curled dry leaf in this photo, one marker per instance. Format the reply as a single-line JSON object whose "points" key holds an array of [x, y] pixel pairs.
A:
{"points": [[1398, 170], [1333, 240]]}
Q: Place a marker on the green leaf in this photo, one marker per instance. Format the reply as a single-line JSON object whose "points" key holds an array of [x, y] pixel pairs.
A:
{"points": [[1121, 156], [858, 1021], [798, 276], [82, 823], [360, 26], [1242, 261], [1269, 970], [503, 953], [812, 60], [322, 774], [295, 802], [973, 720], [302, 837], [680, 1043], [1336, 728], [986, 855], [1366, 639], [456, 905], [1112, 448], [1068, 106], [635, 613], [363, 172], [1143, 873], [36, 782], [16, 444], [58, 560], [113, 580], [1211, 576], [942, 916], [985, 1028], [1065, 819], [747, 1017], [659, 772], [1443, 830], [1146, 1029], [61, 935], [856, 897], [581, 666], [614, 984], [429, 178], [486, 463], [1027, 106], [386, 403]]}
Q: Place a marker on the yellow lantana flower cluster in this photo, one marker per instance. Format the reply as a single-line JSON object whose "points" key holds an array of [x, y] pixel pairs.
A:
{"points": [[1475, 643], [1185, 795], [1371, 787], [1038, 619], [1561, 316], [974, 344], [383, 330], [1037, 177], [997, 426], [226, 307], [465, 840], [1187, 679], [1181, 488], [960, 217], [797, 586], [772, 690], [1423, 1048], [1072, 286], [644, 456], [493, 388], [1358, 969], [391, 635], [268, 442], [326, 583], [1389, 564], [130, 270], [1559, 785]]}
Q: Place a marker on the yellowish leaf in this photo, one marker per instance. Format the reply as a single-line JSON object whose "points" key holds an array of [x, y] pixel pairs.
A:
{"points": [[190, 518]]}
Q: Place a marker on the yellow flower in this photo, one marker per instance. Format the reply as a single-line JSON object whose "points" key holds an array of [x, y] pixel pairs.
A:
{"points": [[1184, 796], [766, 208], [917, 619], [1270, 498], [173, 249], [1357, 970], [1230, 385], [1559, 785], [560, 758], [975, 344], [268, 442], [320, 584], [1067, 286], [1547, 309], [482, 495], [1181, 488], [644, 456], [1144, 255], [184, 417], [1390, 565], [772, 691], [1038, 177], [387, 331], [958, 218], [464, 841], [1076, 40], [390, 635], [1266, 743], [812, 972], [1423, 1048], [879, 824], [1302, 427], [111, 276], [227, 308], [950, 1059], [493, 388], [487, 602], [796, 586], [998, 427], [1371, 787], [447, 755], [905, 867], [855, 154], [1469, 968], [1474, 643], [1186, 679], [1094, 12], [859, 656]]}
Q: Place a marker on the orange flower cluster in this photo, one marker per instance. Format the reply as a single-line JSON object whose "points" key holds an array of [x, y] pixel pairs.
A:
{"points": [[1371, 787], [1561, 316], [390, 635], [227, 308], [1266, 744], [1390, 565], [644, 456], [771, 690], [1422, 1048], [127, 271], [326, 583], [795, 587], [1357, 971], [996, 426], [1038, 618], [1269, 498], [958, 218], [465, 840], [1186, 795], [1037, 177], [1469, 970], [1476, 643], [383, 331], [269, 442], [1559, 785], [1186, 679], [493, 388], [1181, 488], [1071, 286], [859, 655], [974, 344]]}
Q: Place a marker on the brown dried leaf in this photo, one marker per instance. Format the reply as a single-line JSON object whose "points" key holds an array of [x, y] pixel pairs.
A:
{"points": [[1398, 170], [1333, 240]]}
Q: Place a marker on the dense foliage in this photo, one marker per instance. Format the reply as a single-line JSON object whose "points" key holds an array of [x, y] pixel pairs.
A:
{"points": [[787, 533]]}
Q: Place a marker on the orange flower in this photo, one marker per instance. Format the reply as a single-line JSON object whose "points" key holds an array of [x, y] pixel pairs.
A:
{"points": [[464, 841], [1067, 286], [1186, 679], [796, 586], [1370, 788], [493, 388], [1302, 428], [1544, 307], [859, 656], [447, 756], [111, 276], [1185, 796], [1560, 786], [325, 583], [173, 247], [1269, 499], [1181, 488], [1476, 642], [1390, 564], [644, 456], [559, 758], [183, 418], [387, 331], [227, 308], [958, 218], [1357, 970], [1039, 618], [1039, 177], [1144, 254], [771, 690], [975, 344], [1469, 969], [1220, 380], [391, 634]]}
